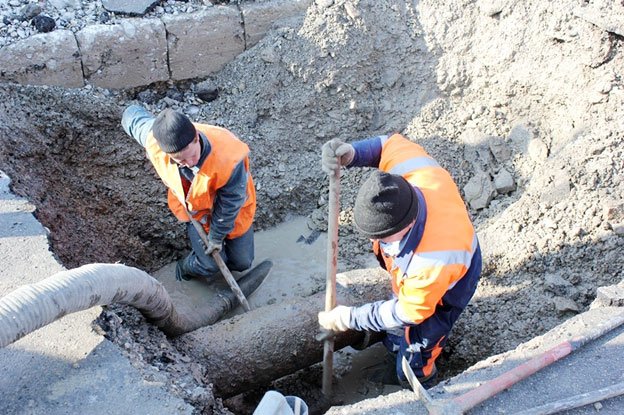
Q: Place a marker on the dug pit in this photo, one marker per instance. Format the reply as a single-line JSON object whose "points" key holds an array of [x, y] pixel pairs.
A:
{"points": [[523, 106]]}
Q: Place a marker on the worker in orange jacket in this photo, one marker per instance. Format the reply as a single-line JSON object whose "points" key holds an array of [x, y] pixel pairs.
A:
{"points": [[413, 213], [207, 172]]}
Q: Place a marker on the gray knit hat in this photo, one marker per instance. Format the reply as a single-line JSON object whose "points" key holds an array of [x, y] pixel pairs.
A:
{"points": [[173, 131], [385, 204]]}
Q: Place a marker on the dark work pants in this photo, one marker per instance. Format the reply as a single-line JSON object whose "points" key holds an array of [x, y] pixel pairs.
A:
{"points": [[237, 253]]}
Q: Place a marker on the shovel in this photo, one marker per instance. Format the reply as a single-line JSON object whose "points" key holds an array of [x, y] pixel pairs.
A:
{"points": [[332, 261], [222, 267]]}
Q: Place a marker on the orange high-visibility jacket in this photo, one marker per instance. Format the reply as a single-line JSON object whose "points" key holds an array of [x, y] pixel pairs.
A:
{"points": [[443, 253], [226, 152]]}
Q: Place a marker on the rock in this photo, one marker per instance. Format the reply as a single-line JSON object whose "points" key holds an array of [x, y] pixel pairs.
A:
{"points": [[556, 284], [132, 8], [103, 17], [107, 51], [207, 93], [148, 96], [504, 182], [29, 11], [44, 24], [175, 93], [260, 17], [193, 51], [479, 191], [352, 11], [538, 150], [565, 305], [610, 296], [499, 148], [614, 212]]}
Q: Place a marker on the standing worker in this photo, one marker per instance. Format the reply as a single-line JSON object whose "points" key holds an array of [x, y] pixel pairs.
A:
{"points": [[207, 173], [413, 213]]}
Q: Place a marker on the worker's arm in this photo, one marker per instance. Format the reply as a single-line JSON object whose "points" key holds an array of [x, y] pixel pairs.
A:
{"points": [[137, 123], [228, 201], [378, 316], [419, 294], [363, 153], [367, 152]]}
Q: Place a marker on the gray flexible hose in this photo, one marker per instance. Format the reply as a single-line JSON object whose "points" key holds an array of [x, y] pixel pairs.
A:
{"points": [[35, 305]]}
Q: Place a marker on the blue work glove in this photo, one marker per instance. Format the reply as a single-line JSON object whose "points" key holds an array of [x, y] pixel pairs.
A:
{"points": [[336, 153]]}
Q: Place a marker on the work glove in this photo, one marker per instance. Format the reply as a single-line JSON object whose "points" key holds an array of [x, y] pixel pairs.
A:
{"points": [[336, 153], [214, 246], [336, 319]]}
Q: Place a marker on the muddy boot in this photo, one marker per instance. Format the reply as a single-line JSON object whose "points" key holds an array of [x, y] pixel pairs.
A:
{"points": [[182, 271]]}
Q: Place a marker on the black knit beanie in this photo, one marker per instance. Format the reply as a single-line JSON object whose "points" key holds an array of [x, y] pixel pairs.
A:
{"points": [[173, 131], [385, 204]]}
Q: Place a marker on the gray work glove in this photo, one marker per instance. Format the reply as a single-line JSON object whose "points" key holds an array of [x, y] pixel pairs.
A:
{"points": [[213, 246], [336, 153], [335, 320]]}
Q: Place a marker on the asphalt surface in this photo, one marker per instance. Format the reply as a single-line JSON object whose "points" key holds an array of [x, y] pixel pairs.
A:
{"points": [[65, 367]]}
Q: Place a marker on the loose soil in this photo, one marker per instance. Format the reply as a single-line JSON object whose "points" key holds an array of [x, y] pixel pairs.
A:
{"points": [[521, 101]]}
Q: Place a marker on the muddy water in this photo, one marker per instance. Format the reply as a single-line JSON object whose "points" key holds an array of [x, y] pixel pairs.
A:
{"points": [[299, 257]]}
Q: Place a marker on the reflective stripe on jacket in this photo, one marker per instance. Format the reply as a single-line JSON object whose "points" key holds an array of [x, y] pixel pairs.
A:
{"points": [[441, 244], [214, 173]]}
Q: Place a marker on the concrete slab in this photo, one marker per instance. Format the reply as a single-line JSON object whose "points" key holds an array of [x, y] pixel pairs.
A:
{"points": [[65, 367], [45, 59], [201, 43], [109, 51]]}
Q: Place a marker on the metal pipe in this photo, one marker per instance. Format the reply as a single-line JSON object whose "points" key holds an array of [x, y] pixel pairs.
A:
{"points": [[487, 390], [576, 401], [469, 400]]}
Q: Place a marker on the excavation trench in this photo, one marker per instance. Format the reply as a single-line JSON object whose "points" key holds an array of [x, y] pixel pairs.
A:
{"points": [[544, 116], [101, 202]]}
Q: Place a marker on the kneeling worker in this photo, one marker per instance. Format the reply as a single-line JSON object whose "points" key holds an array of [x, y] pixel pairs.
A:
{"points": [[207, 173], [416, 219]]}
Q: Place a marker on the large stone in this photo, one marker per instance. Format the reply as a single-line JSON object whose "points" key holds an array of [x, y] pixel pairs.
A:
{"points": [[126, 55], [44, 59], [479, 191], [610, 296], [504, 182], [499, 148], [133, 8], [260, 17], [202, 43], [538, 151]]}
